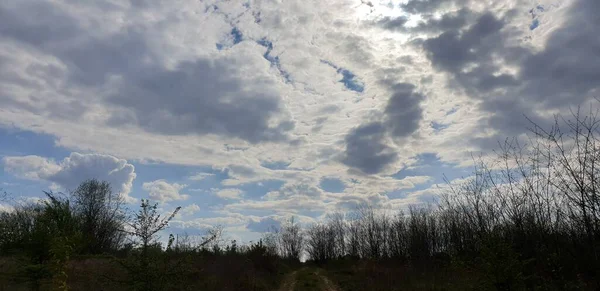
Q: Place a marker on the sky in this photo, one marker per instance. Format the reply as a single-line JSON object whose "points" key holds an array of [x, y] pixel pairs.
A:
{"points": [[246, 113]]}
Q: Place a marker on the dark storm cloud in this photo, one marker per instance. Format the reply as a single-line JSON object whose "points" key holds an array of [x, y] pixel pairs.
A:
{"points": [[366, 149], [396, 24], [52, 30], [568, 69], [403, 111], [428, 6], [453, 49], [38, 24], [562, 75], [202, 96], [429, 24], [469, 55], [449, 21]]}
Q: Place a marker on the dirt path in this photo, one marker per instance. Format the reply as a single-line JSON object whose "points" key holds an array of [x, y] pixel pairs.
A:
{"points": [[307, 279], [289, 282], [327, 284]]}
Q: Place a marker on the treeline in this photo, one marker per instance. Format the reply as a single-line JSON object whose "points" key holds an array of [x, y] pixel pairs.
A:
{"points": [[89, 240], [92, 219]]}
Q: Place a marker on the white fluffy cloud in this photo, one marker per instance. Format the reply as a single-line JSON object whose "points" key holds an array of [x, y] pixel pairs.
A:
{"points": [[161, 190], [229, 193], [189, 209], [31, 167], [73, 170], [293, 91]]}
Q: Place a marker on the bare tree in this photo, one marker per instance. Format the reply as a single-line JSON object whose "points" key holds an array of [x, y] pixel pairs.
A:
{"points": [[575, 156], [291, 240], [101, 214], [320, 242], [146, 223], [3, 195], [338, 226]]}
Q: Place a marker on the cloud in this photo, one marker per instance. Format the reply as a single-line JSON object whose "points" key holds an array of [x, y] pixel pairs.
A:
{"points": [[509, 80], [453, 50], [429, 23], [73, 170], [366, 149], [161, 190], [290, 205], [367, 146], [230, 193], [200, 176], [288, 92], [207, 96], [449, 21], [189, 210], [210, 222], [199, 96], [403, 111], [563, 73], [30, 167], [396, 24], [305, 189], [428, 6], [352, 202]]}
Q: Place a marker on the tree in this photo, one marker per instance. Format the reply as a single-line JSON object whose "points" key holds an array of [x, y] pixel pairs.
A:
{"points": [[61, 234], [338, 229], [101, 214], [147, 223], [320, 242], [291, 240], [143, 228], [3, 195]]}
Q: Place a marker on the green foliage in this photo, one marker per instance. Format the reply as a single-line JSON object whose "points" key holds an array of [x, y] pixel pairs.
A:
{"points": [[60, 253], [16, 228]]}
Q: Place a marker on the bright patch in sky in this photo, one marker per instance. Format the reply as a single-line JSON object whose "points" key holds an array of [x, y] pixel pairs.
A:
{"points": [[248, 112]]}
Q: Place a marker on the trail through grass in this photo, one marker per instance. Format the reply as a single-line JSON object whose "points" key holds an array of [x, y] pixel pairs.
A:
{"points": [[308, 278]]}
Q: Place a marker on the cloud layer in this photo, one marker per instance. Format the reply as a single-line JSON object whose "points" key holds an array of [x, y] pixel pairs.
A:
{"points": [[267, 100]]}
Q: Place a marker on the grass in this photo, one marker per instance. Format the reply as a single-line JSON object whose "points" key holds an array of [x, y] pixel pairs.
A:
{"points": [[382, 275], [198, 273], [307, 279]]}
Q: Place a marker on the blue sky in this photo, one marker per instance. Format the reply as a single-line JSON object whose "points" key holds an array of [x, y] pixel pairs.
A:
{"points": [[247, 113]]}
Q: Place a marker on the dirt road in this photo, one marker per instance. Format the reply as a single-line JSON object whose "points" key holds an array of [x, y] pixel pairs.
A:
{"points": [[308, 278], [289, 282]]}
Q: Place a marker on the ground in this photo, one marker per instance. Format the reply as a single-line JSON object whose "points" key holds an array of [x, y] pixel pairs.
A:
{"points": [[307, 278]]}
